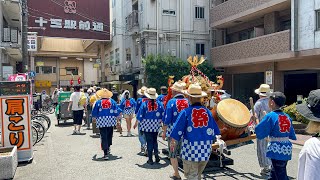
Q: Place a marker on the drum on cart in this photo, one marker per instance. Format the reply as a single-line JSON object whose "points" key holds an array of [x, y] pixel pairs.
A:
{"points": [[232, 117]]}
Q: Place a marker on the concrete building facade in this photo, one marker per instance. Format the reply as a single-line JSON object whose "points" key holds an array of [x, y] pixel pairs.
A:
{"points": [[252, 42], [10, 39], [142, 27]]}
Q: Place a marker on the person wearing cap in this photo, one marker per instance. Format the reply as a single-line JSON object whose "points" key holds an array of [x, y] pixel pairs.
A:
{"points": [[173, 109], [261, 108], [128, 105], [142, 137], [309, 157], [149, 119], [105, 111], [164, 91], [197, 130], [277, 125]]}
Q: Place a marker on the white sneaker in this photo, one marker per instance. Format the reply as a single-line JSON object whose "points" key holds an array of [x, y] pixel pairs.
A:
{"points": [[74, 132], [129, 134]]}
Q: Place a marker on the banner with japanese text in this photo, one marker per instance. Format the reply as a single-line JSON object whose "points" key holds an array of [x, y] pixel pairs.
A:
{"points": [[80, 19], [15, 122]]}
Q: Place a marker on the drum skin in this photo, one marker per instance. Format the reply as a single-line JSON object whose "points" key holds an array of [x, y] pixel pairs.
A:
{"points": [[229, 132]]}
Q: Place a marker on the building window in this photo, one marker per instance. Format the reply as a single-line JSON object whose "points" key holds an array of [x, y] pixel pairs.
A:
{"points": [[38, 69], [45, 69], [72, 70], [200, 49], [246, 34], [169, 12], [214, 38], [111, 58], [113, 3], [199, 14], [128, 54], [114, 28], [117, 57], [285, 25], [318, 20]]}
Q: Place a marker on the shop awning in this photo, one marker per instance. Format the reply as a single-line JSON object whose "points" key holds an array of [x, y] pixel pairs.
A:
{"points": [[115, 82]]}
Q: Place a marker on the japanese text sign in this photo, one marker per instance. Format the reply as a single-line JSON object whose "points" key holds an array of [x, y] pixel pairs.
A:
{"points": [[16, 122], [32, 43], [82, 19]]}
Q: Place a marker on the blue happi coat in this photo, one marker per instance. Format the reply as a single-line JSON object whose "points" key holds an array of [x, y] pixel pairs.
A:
{"points": [[278, 126], [197, 128], [128, 106], [174, 107], [161, 97], [139, 103], [106, 112], [150, 119]]}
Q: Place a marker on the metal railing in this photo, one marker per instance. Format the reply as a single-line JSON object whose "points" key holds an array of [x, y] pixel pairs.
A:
{"points": [[132, 20]]}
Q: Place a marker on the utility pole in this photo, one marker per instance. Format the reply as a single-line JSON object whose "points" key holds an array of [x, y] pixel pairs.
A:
{"points": [[24, 40]]}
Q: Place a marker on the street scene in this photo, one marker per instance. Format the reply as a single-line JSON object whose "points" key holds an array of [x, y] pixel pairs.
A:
{"points": [[160, 89]]}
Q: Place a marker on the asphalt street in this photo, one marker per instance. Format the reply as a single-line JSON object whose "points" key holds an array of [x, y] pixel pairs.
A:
{"points": [[61, 155]]}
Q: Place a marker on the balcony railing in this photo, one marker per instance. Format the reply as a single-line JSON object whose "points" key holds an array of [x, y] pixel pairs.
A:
{"points": [[251, 50], [132, 20], [231, 10]]}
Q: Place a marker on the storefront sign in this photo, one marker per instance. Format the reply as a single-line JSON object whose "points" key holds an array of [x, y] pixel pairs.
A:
{"points": [[17, 77], [14, 88], [32, 43], [40, 63], [81, 19], [269, 77], [16, 125], [43, 83]]}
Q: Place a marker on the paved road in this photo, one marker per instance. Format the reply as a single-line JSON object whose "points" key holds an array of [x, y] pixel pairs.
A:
{"points": [[61, 155]]}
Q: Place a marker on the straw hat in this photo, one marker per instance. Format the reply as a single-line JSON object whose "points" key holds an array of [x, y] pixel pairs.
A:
{"points": [[151, 93], [142, 90], [104, 93], [179, 86], [263, 90], [195, 90]]}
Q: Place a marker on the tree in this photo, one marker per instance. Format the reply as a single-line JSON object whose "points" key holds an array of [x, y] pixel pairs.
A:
{"points": [[159, 68]]}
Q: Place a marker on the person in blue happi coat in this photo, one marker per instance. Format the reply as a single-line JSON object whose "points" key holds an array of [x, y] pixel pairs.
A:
{"points": [[142, 137], [105, 111], [164, 91], [149, 119], [277, 125], [173, 109], [197, 130], [128, 106]]}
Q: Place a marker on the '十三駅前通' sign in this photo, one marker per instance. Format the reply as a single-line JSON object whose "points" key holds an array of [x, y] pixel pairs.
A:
{"points": [[81, 19], [15, 122]]}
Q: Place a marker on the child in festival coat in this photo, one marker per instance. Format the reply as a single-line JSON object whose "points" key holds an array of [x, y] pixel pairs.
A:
{"points": [[278, 126], [197, 128], [149, 119], [128, 106]]}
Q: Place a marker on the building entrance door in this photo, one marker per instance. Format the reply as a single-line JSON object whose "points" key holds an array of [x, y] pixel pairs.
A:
{"points": [[299, 84]]}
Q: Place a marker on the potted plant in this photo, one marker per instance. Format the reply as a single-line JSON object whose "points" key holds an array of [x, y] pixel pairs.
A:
{"points": [[8, 162]]}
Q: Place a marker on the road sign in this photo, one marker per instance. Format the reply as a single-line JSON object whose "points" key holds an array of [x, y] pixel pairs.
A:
{"points": [[32, 74]]}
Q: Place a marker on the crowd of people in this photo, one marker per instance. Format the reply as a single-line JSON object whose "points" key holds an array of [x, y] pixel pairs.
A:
{"points": [[189, 127]]}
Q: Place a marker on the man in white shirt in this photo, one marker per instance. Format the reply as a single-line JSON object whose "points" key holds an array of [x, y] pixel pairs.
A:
{"points": [[77, 109]]}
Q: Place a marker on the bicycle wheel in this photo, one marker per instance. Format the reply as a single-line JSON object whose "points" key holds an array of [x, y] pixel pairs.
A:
{"points": [[35, 135], [51, 109], [45, 120], [40, 128]]}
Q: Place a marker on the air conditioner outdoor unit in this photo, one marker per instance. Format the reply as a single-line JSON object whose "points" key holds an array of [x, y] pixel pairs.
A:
{"points": [[173, 52]]}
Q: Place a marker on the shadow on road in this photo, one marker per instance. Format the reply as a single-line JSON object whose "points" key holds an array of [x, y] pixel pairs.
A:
{"points": [[155, 165], [228, 172], [111, 158]]}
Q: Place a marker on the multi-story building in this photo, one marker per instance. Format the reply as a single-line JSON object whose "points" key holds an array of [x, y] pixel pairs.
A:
{"points": [[251, 43], [142, 27], [10, 38]]}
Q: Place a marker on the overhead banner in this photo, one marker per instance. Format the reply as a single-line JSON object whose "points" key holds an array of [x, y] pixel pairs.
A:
{"points": [[81, 19]]}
